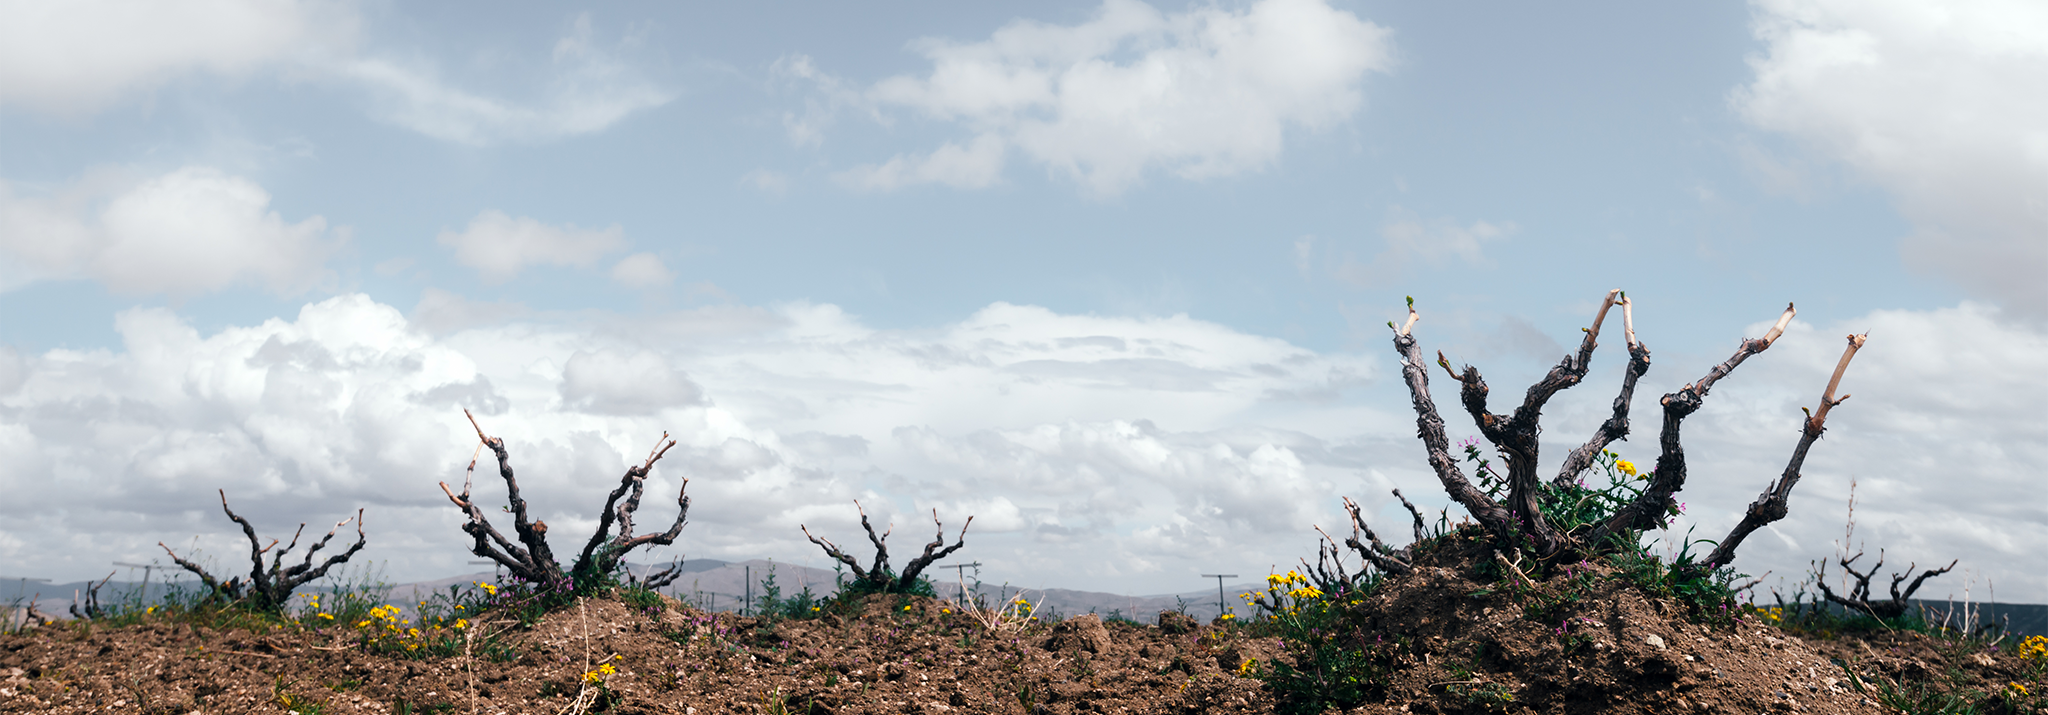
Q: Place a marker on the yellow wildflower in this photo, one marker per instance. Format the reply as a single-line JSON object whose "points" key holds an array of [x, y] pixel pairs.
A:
{"points": [[1626, 467], [328, 616], [461, 623]]}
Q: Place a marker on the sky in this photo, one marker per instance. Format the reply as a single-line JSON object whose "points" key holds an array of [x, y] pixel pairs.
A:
{"points": [[1111, 278]]}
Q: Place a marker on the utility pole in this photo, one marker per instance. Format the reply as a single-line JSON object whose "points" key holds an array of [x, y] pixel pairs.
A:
{"points": [[1220, 610], [744, 605], [960, 572], [146, 569]]}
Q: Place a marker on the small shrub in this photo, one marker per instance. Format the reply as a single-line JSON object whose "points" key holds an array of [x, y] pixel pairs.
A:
{"points": [[1339, 661]]}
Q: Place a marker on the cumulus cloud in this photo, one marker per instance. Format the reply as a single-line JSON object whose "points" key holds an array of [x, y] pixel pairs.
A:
{"points": [[71, 58], [499, 246], [191, 231], [1203, 93], [1937, 104]]}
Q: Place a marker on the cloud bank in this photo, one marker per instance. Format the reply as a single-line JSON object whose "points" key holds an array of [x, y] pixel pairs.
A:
{"points": [[1110, 453], [1069, 435], [1940, 105]]}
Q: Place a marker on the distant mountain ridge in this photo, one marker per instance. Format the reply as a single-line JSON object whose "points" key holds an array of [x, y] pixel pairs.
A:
{"points": [[712, 584]]}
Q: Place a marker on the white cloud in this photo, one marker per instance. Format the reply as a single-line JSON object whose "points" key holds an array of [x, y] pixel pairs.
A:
{"points": [[71, 58], [642, 270], [766, 181], [1406, 238], [74, 58], [590, 89], [828, 97], [610, 383], [1939, 104], [973, 166], [441, 312], [500, 246], [1203, 93], [191, 231]]}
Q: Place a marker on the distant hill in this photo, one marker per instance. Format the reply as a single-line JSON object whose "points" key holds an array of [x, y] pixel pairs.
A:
{"points": [[709, 584]]}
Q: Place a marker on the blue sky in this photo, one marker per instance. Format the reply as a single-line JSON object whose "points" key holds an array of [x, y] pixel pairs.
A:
{"points": [[1112, 277]]}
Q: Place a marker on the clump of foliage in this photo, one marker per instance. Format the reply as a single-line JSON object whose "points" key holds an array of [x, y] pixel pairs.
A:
{"points": [[1338, 659], [773, 606], [447, 624]]}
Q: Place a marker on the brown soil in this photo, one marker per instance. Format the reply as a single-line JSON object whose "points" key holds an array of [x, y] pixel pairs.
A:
{"points": [[1620, 653]]}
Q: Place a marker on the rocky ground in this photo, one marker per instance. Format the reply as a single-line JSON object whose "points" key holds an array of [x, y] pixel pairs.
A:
{"points": [[1463, 647]]}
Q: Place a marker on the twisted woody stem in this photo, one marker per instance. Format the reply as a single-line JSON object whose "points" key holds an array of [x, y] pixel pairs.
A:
{"points": [[1773, 503], [1649, 508], [271, 586], [1518, 436], [531, 559], [1617, 426]]}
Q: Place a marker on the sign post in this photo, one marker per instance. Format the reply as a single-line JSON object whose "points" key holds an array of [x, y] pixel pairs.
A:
{"points": [[1220, 609]]}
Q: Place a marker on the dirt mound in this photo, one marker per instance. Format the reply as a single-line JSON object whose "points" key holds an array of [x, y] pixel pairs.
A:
{"points": [[1585, 641]]}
